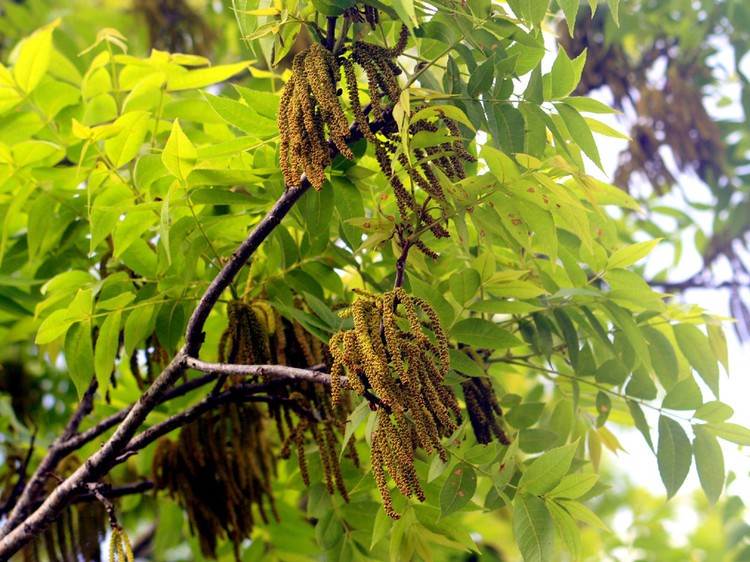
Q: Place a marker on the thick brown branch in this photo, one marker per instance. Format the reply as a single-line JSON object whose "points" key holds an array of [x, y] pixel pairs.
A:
{"points": [[93, 469], [14, 535], [54, 455]]}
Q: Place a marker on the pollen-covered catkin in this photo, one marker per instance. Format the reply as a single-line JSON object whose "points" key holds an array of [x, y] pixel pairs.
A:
{"points": [[397, 357]]}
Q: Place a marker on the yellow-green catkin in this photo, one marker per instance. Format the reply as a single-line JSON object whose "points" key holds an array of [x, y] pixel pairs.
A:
{"points": [[396, 356]]}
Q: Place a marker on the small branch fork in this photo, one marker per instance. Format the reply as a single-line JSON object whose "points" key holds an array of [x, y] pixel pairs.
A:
{"points": [[29, 518]]}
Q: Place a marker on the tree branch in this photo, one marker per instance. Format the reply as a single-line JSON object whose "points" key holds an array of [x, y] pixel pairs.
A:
{"points": [[13, 535], [266, 371], [17, 535], [247, 392], [77, 441], [54, 455], [110, 492]]}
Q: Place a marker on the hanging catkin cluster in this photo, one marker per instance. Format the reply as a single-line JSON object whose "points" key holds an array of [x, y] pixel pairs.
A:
{"points": [[307, 415], [484, 410], [256, 334], [120, 549], [391, 359], [420, 166], [77, 534], [220, 471], [309, 103]]}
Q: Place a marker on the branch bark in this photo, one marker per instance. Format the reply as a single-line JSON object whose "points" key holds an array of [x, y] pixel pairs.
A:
{"points": [[26, 521]]}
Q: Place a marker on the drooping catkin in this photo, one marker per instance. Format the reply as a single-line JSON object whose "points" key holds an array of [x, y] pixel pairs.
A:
{"points": [[396, 356]]}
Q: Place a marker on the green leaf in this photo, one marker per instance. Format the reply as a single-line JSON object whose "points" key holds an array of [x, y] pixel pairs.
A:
{"points": [[730, 432], [507, 125], [138, 326], [533, 528], [53, 327], [718, 340], [170, 325], [451, 111], [501, 165], [458, 489], [34, 58], [126, 144], [714, 411], [604, 129], [547, 471], [612, 371], [481, 79], [435, 298], [79, 356], [482, 333], [709, 460], [536, 440], [583, 513], [697, 349], [625, 257], [464, 284], [179, 154], [673, 454], [524, 415], [580, 132], [573, 486], [685, 395], [640, 422], [663, 356], [242, 116], [317, 209], [462, 363], [107, 344], [563, 76], [566, 526], [569, 333], [589, 105], [614, 10], [329, 530], [405, 11], [570, 9]]}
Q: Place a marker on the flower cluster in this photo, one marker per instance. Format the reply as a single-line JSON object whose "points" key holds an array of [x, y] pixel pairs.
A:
{"points": [[397, 356]]}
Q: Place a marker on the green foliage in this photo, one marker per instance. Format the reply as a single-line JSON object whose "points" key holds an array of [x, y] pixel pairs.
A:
{"points": [[127, 181]]}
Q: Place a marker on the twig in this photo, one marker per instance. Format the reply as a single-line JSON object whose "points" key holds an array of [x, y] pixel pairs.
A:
{"points": [[54, 455], [247, 392], [120, 491], [13, 535], [267, 371], [95, 489], [17, 535], [77, 441], [331, 33], [18, 487]]}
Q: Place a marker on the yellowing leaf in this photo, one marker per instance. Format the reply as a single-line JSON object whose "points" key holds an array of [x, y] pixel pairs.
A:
{"points": [[627, 256], [179, 154], [33, 58], [203, 77]]}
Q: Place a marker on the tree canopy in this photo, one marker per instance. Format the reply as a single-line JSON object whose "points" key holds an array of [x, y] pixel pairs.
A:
{"points": [[343, 280]]}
